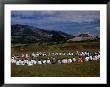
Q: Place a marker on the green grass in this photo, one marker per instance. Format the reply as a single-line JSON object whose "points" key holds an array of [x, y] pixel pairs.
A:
{"points": [[65, 47], [86, 69]]}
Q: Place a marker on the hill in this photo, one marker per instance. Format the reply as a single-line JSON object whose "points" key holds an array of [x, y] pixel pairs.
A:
{"points": [[24, 34], [83, 37]]}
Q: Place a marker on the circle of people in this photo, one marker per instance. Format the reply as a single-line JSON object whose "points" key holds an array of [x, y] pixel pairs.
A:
{"points": [[83, 57]]}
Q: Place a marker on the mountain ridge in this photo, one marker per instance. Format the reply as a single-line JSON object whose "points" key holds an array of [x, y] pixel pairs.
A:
{"points": [[29, 34]]}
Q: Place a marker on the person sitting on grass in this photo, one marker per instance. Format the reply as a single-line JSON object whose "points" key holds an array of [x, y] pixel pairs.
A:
{"points": [[59, 61], [74, 59], [69, 60], [80, 59]]}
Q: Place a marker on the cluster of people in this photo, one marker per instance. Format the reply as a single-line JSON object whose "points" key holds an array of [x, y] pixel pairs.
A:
{"points": [[25, 59], [38, 54]]}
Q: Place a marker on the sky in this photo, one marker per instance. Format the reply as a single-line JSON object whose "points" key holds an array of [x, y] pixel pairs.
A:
{"points": [[71, 22]]}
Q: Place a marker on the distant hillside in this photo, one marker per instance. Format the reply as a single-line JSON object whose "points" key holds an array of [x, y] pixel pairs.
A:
{"points": [[83, 37], [24, 34]]}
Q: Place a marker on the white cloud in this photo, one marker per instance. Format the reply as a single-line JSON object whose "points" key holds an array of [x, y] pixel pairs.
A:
{"points": [[55, 16], [74, 16]]}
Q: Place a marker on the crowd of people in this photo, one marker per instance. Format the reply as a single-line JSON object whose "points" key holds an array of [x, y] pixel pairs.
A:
{"points": [[35, 58]]}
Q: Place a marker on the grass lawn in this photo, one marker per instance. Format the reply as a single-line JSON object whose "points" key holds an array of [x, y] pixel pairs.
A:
{"points": [[86, 69]]}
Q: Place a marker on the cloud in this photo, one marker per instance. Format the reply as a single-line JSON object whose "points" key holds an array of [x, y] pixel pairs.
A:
{"points": [[31, 13], [79, 20], [78, 16], [58, 16]]}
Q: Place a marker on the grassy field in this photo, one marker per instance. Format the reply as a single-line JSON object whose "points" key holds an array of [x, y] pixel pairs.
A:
{"points": [[65, 47], [86, 69]]}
